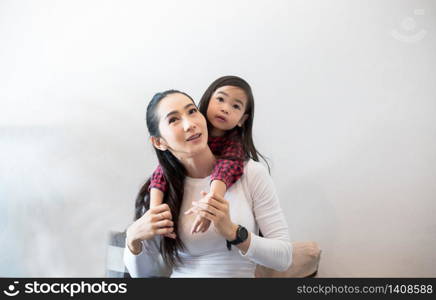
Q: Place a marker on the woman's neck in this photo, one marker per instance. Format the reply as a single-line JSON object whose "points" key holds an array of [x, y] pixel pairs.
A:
{"points": [[200, 165]]}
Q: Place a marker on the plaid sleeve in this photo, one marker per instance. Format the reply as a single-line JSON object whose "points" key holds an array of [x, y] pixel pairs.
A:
{"points": [[158, 180], [230, 167], [228, 171]]}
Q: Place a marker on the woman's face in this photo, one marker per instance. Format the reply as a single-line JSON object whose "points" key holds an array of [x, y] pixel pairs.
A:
{"points": [[227, 108], [182, 127]]}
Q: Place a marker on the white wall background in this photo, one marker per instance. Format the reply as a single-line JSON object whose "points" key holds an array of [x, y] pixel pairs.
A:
{"points": [[346, 102]]}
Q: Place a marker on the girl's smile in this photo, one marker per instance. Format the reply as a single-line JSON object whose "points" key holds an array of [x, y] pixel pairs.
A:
{"points": [[221, 119]]}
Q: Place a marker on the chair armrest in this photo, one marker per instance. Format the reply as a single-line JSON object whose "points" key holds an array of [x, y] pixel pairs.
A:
{"points": [[305, 261]]}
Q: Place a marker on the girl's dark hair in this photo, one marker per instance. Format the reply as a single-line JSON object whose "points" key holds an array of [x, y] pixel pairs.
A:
{"points": [[244, 133], [174, 173]]}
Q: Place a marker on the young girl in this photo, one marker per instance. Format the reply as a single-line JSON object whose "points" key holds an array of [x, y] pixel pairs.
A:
{"points": [[228, 106]]}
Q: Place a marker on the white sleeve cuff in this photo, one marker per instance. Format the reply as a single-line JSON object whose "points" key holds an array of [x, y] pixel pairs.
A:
{"points": [[148, 247], [147, 263], [271, 253], [251, 248]]}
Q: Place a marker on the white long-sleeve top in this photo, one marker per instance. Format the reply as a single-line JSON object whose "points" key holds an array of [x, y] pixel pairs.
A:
{"points": [[253, 203]]}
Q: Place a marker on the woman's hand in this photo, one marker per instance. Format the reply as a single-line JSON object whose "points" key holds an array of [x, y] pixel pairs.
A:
{"points": [[156, 220], [216, 209]]}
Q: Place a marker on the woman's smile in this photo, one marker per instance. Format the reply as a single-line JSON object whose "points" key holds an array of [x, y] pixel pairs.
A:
{"points": [[194, 137]]}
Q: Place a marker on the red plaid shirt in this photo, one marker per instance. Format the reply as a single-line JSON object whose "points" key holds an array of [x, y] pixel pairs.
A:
{"points": [[228, 168]]}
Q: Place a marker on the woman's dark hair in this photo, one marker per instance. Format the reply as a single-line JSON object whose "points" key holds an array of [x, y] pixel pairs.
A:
{"points": [[174, 173], [244, 133]]}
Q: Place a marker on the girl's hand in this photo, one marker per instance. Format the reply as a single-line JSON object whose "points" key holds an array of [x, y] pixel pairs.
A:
{"points": [[156, 220], [216, 209], [200, 224]]}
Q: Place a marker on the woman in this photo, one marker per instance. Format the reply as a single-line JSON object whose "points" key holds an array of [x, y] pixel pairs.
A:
{"points": [[231, 248]]}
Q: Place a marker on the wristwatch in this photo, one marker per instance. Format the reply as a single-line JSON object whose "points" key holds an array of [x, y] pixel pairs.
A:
{"points": [[241, 236]]}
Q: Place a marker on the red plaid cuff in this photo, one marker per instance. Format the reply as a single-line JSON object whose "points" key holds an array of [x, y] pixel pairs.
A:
{"points": [[158, 180], [228, 171]]}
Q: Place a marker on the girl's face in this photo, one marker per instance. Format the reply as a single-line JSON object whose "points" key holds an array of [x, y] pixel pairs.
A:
{"points": [[182, 127], [226, 109]]}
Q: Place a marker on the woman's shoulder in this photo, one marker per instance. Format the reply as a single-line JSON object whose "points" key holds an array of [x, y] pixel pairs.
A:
{"points": [[254, 169], [256, 181]]}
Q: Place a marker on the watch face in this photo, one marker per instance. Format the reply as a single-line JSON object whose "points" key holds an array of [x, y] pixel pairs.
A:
{"points": [[242, 233]]}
